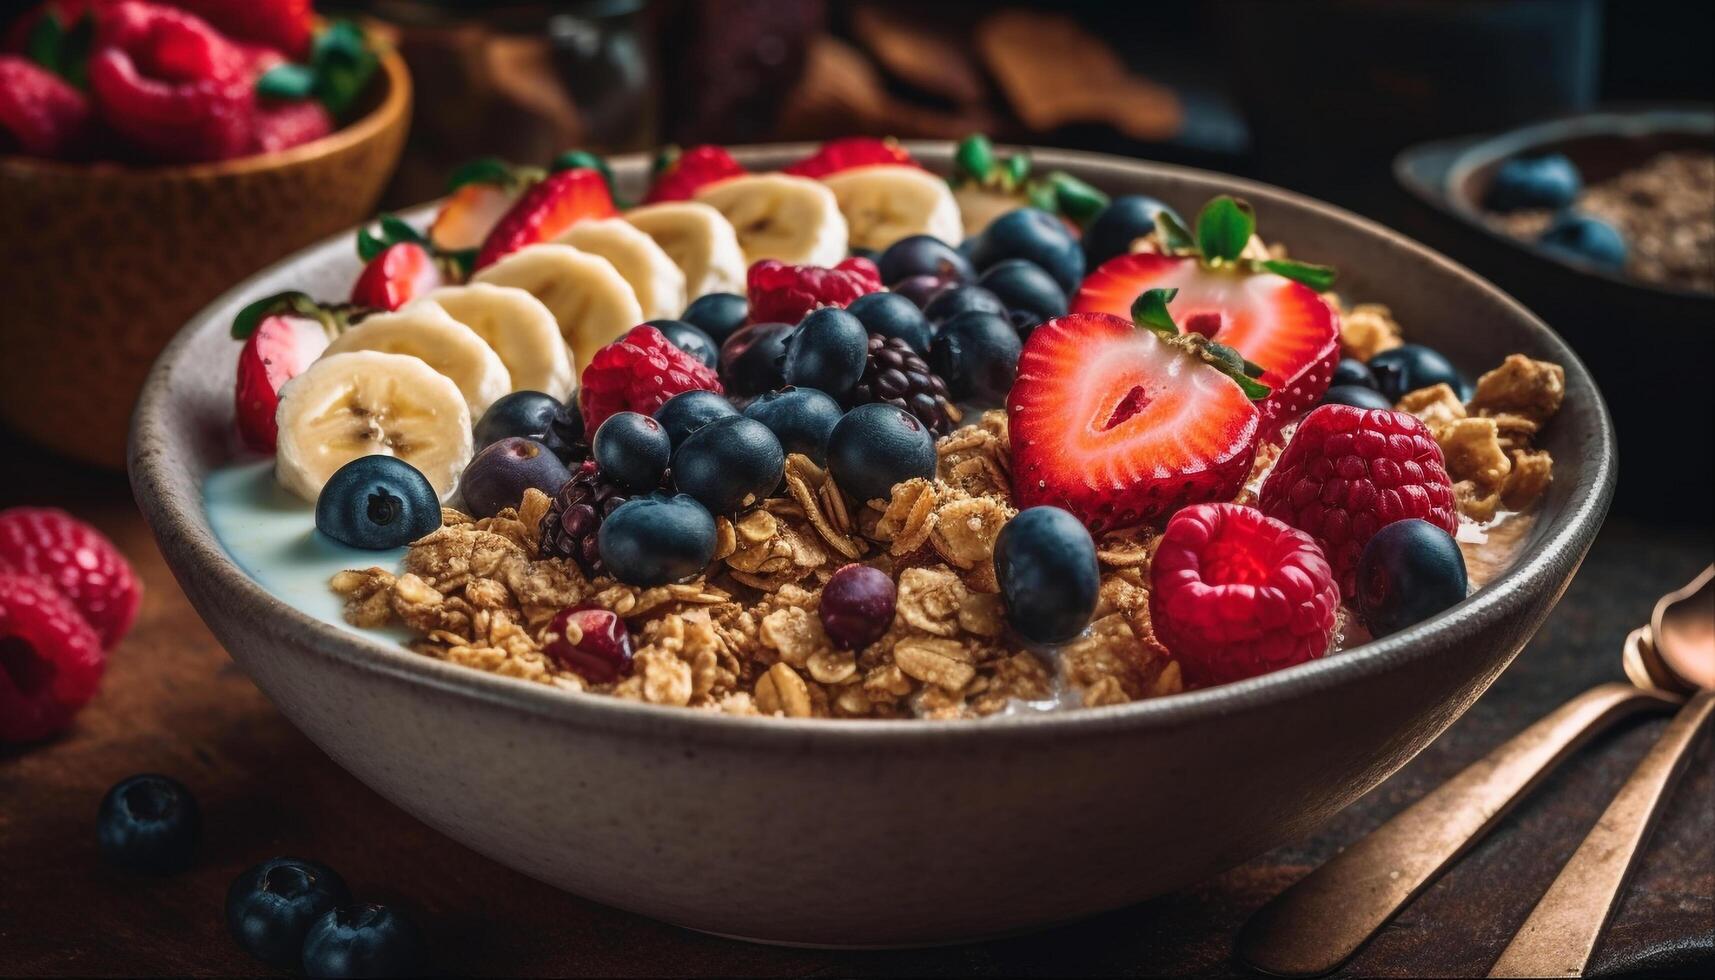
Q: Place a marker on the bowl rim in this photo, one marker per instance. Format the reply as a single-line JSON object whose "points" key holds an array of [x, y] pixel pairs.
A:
{"points": [[395, 103], [171, 502]]}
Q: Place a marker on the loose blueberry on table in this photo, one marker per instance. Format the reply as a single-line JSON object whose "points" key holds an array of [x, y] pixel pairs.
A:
{"points": [[149, 823], [270, 907], [363, 940]]}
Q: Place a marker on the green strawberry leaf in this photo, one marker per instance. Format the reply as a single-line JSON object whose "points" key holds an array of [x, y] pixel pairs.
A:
{"points": [[291, 301], [463, 261], [396, 231], [1150, 312], [664, 160], [60, 49], [1076, 199], [1234, 366], [1041, 195], [287, 81], [584, 159], [1317, 277], [482, 170], [344, 63], [369, 246], [1015, 171], [45, 40], [974, 159], [1224, 228], [1175, 237]]}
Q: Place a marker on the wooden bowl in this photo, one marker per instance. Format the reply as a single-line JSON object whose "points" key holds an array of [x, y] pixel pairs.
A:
{"points": [[101, 264]]}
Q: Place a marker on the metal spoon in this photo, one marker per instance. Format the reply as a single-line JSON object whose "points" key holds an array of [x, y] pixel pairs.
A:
{"points": [[1323, 919], [1562, 931]]}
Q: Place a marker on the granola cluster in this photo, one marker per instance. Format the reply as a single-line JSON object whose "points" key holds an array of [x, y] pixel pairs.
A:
{"points": [[746, 638]]}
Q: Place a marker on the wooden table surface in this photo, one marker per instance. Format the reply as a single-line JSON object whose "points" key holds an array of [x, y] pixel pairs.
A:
{"points": [[173, 703]]}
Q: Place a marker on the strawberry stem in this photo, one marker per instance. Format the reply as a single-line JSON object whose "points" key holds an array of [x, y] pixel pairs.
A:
{"points": [[1149, 311]]}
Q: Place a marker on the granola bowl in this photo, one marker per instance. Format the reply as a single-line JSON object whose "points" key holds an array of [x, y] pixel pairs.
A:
{"points": [[867, 833]]}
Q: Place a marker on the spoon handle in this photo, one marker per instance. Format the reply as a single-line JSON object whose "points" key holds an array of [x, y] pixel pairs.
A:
{"points": [[1561, 933], [1318, 923]]}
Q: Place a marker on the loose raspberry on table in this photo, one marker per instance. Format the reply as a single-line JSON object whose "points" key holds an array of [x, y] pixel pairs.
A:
{"points": [[1348, 472], [782, 293], [638, 373], [39, 113], [1235, 593], [75, 559], [50, 660]]}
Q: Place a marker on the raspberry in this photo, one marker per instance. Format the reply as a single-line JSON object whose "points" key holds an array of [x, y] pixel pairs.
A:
{"points": [[781, 293], [1348, 472], [75, 559], [679, 177], [287, 124], [50, 660], [1235, 593], [39, 113], [638, 373]]}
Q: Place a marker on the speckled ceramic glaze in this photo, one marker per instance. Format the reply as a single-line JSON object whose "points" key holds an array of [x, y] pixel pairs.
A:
{"points": [[101, 264], [856, 833]]}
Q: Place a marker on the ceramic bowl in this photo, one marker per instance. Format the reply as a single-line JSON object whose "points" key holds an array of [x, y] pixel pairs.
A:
{"points": [[854, 833], [101, 264]]}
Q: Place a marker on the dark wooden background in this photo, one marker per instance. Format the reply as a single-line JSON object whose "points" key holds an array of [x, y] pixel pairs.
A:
{"points": [[174, 703]]}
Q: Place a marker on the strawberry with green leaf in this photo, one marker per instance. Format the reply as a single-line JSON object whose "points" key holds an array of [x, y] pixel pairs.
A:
{"points": [[988, 185], [283, 334]]}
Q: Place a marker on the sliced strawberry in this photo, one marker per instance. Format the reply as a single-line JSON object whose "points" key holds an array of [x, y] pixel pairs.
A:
{"points": [[280, 349], [546, 210], [1120, 426], [400, 273], [852, 151], [471, 212], [1271, 320], [679, 177]]}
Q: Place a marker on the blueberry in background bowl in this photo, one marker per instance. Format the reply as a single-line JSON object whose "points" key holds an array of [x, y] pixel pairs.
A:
{"points": [[376, 502], [1546, 181], [1584, 238]]}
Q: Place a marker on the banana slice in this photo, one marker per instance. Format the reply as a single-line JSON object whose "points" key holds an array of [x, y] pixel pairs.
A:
{"points": [[590, 300], [521, 330], [887, 202], [699, 240], [657, 281], [443, 343], [781, 216], [368, 402]]}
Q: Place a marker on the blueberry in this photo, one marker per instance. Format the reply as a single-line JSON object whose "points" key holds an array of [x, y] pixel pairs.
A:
{"points": [[148, 823], [1356, 396], [1024, 321], [801, 418], [1030, 233], [876, 446], [1585, 239], [922, 255], [693, 340], [827, 352], [859, 252], [565, 437], [977, 355], [363, 941], [1046, 564], [750, 358], [271, 906], [1022, 285], [1351, 371], [633, 450], [955, 299], [717, 314], [920, 289], [521, 413], [1409, 571], [729, 464], [857, 606], [689, 411], [1126, 219], [1547, 181], [1409, 367], [376, 502], [893, 315], [654, 540], [497, 477]]}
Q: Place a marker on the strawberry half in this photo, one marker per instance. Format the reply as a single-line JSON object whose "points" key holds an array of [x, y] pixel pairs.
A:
{"points": [[1269, 319], [546, 210], [402, 272], [849, 152], [280, 349], [470, 214], [1120, 425], [678, 176]]}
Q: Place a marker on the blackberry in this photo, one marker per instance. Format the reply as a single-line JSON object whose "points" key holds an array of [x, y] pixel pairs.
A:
{"points": [[565, 436], [574, 517], [895, 374]]}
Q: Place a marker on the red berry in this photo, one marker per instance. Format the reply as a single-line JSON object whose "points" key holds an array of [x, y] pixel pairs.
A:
{"points": [[692, 169], [591, 642], [39, 113], [781, 293], [77, 560], [282, 24], [1118, 426], [857, 606], [1235, 593], [281, 126], [397, 274], [1271, 320], [172, 120], [469, 214], [638, 373], [546, 210], [852, 151], [1349, 472], [280, 349], [50, 660]]}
